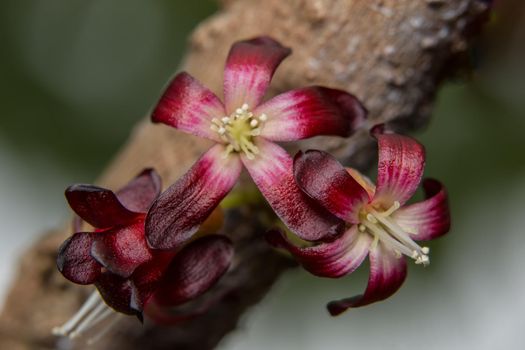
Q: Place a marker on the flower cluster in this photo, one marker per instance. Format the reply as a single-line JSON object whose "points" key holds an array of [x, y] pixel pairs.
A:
{"points": [[142, 253]]}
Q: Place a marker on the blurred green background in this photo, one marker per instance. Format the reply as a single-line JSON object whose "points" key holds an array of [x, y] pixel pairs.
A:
{"points": [[76, 76]]}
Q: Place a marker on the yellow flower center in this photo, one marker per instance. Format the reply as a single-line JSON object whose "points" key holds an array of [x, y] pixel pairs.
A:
{"points": [[238, 131], [384, 228]]}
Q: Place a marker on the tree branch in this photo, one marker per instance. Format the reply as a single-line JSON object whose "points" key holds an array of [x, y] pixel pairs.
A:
{"points": [[392, 54]]}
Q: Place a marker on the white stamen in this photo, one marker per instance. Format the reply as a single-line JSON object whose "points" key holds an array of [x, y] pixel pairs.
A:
{"points": [[221, 130], [245, 107], [263, 117], [225, 120], [254, 123], [425, 250]]}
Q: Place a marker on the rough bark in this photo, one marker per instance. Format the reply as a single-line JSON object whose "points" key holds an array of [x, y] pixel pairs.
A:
{"points": [[392, 54]]}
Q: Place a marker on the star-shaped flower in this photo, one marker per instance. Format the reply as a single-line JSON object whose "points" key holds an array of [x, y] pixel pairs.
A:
{"points": [[244, 129], [380, 225]]}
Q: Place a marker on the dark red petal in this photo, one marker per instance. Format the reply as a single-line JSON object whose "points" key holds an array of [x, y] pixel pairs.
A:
{"points": [[116, 292], [97, 206], [176, 215], [195, 269], [121, 250], [272, 171], [140, 192], [428, 219], [324, 179], [400, 168], [74, 260], [387, 274], [311, 111], [146, 278], [249, 69], [188, 106], [331, 259]]}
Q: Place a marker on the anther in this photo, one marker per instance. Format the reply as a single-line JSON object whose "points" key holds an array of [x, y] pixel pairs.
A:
{"points": [[254, 123], [425, 250], [263, 117], [245, 107]]}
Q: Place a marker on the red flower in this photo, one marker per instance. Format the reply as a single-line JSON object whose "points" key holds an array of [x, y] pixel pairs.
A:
{"points": [[244, 129], [117, 259], [380, 225]]}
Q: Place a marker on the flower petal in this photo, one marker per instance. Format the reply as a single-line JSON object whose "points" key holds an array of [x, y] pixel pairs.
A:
{"points": [[387, 274], [331, 259], [140, 192], [272, 171], [121, 250], [176, 215], [74, 260], [116, 292], [311, 111], [401, 164], [97, 206], [428, 219], [249, 69], [324, 179], [195, 269], [188, 106]]}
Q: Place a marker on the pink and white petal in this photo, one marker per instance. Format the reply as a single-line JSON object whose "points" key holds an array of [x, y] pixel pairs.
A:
{"points": [[98, 206], [311, 111], [189, 106], [123, 249], [74, 260], [272, 172], [195, 269], [428, 219], [331, 259], [140, 192], [249, 69], [324, 179], [179, 211], [387, 274], [400, 168]]}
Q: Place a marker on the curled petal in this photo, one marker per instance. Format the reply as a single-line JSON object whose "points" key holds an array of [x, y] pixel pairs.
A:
{"points": [[140, 192], [121, 250], [430, 218], [249, 69], [331, 259], [177, 214], [97, 206], [116, 292], [74, 260], [272, 171], [387, 274], [322, 177], [400, 168], [195, 269], [188, 106], [311, 111]]}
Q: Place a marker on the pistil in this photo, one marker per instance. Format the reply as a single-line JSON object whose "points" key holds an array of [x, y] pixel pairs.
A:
{"points": [[238, 130]]}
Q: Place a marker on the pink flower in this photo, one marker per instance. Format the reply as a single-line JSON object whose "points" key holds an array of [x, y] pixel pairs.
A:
{"points": [[380, 225], [244, 130], [116, 258]]}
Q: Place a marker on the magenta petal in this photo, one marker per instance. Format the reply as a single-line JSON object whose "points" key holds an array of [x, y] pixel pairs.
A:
{"points": [[400, 168], [177, 214], [272, 171], [331, 259], [311, 111], [121, 250], [140, 192], [249, 69], [188, 106], [74, 260], [195, 269], [387, 274], [428, 219], [97, 206], [116, 292], [324, 179]]}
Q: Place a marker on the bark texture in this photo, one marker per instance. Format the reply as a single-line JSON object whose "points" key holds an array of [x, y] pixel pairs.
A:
{"points": [[392, 54]]}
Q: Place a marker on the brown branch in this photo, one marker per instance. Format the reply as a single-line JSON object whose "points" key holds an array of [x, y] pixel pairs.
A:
{"points": [[391, 53]]}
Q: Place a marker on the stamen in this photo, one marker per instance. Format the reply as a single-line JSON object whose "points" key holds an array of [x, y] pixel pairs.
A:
{"points": [[94, 312]]}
